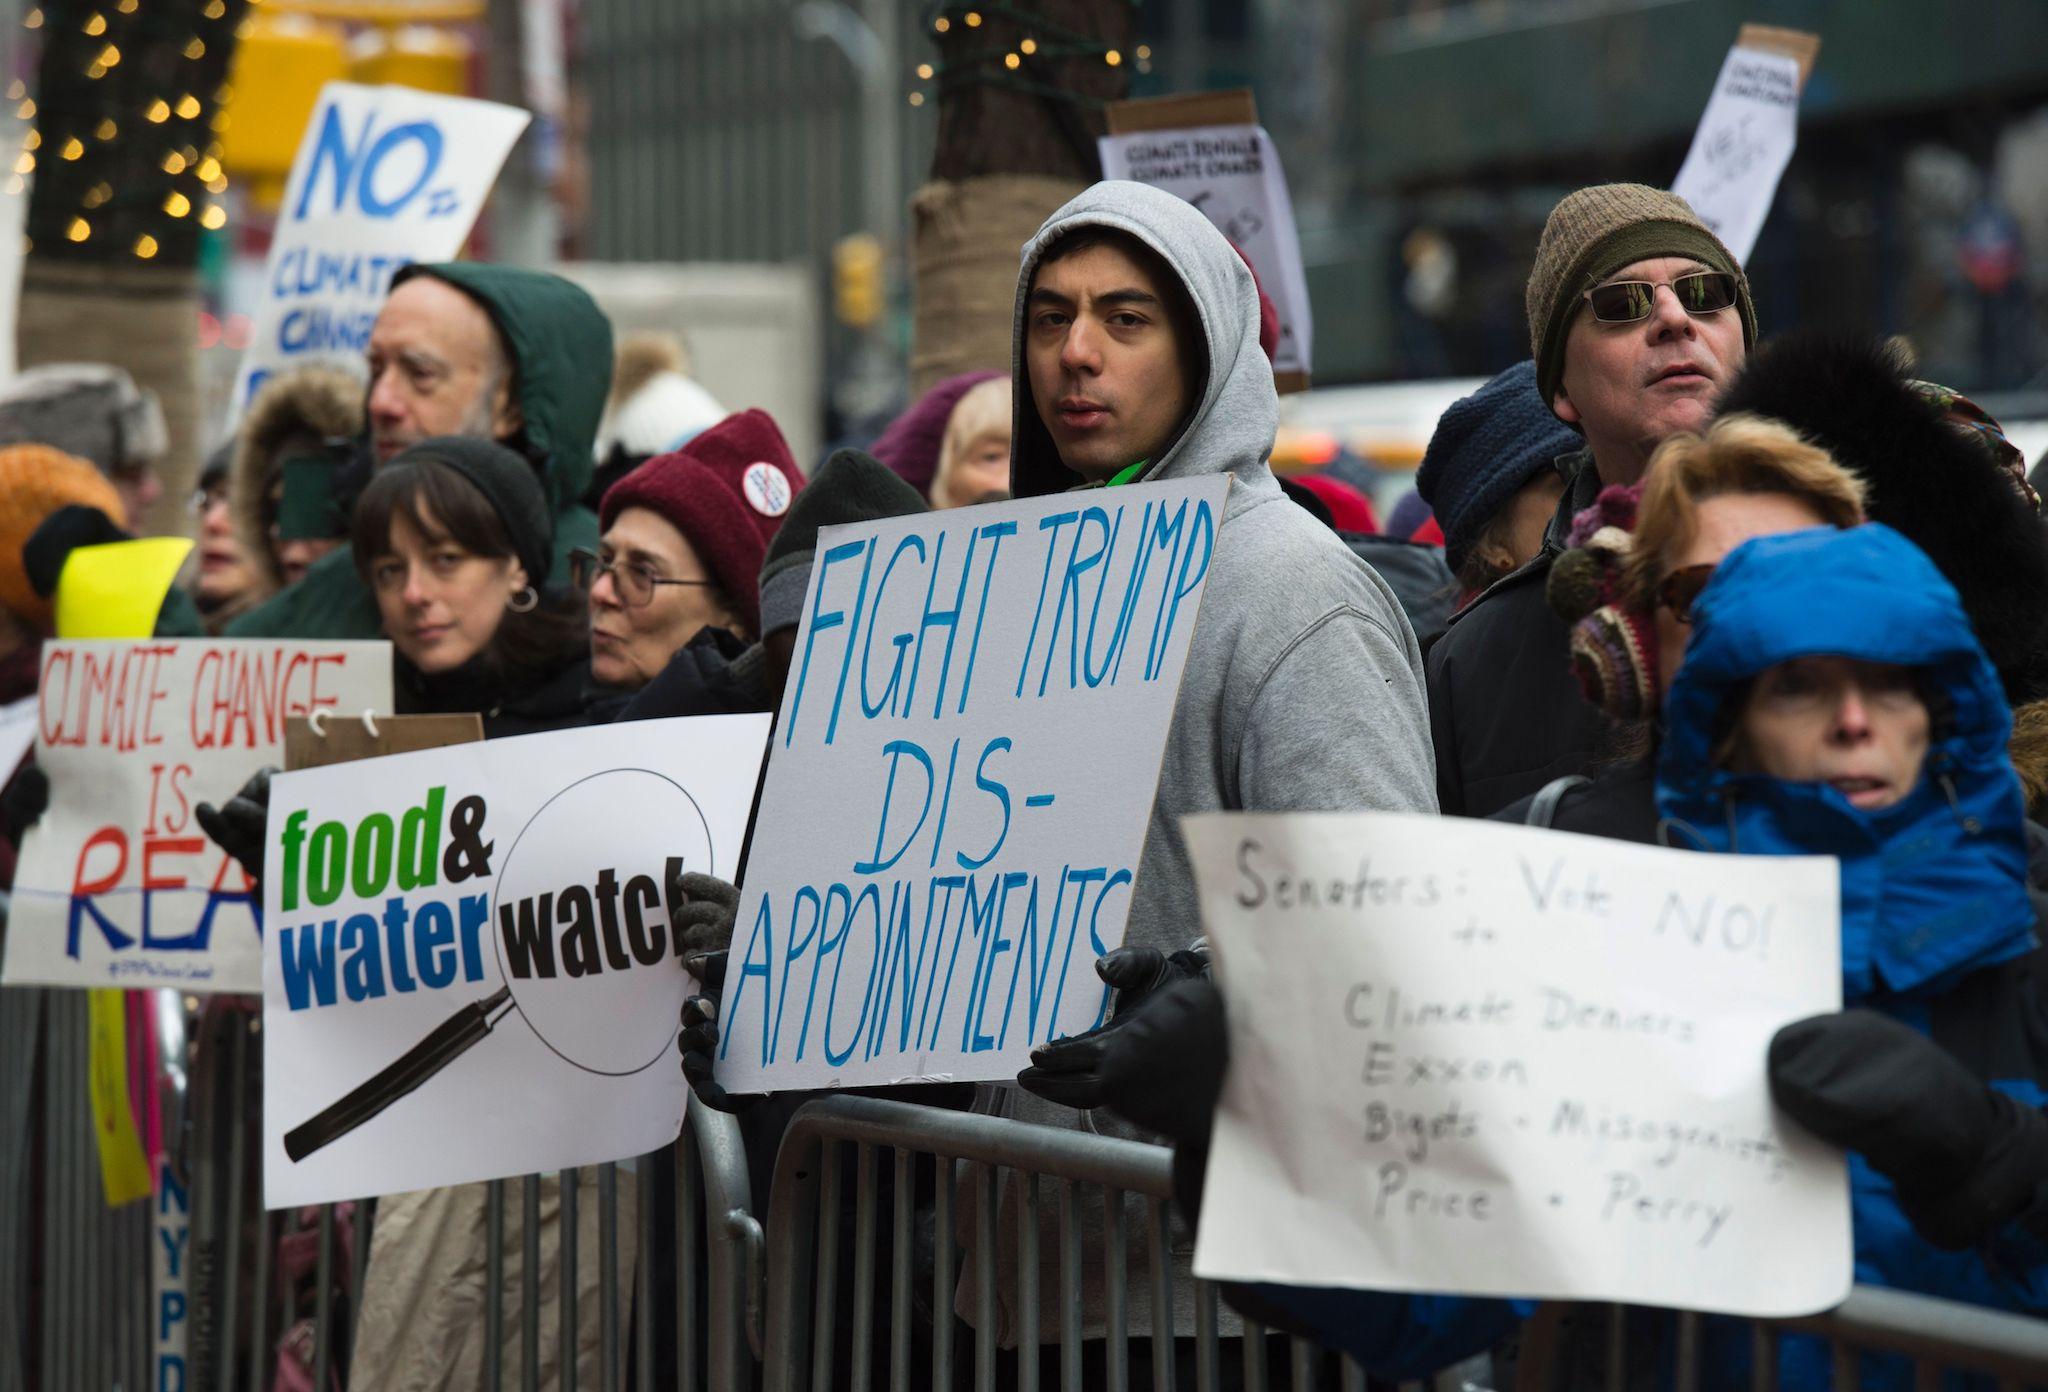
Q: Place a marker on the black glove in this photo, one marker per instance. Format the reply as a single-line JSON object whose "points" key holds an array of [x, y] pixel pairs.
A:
{"points": [[698, 1045], [57, 536], [1965, 1158], [237, 827], [1136, 972], [1159, 1065], [702, 922], [23, 803]]}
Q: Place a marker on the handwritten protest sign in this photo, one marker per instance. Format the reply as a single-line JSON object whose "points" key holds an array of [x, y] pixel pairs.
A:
{"points": [[471, 973], [385, 176], [960, 784], [1209, 149], [1745, 139], [1500, 1061], [117, 885]]}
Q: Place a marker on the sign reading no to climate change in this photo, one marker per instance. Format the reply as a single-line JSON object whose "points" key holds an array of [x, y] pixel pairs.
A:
{"points": [[1501, 1061], [470, 972], [959, 785], [117, 885], [385, 176]]}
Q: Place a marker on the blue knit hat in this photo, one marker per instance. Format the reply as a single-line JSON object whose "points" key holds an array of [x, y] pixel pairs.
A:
{"points": [[1486, 447]]}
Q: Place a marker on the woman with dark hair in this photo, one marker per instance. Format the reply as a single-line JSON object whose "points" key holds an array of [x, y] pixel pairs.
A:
{"points": [[453, 539]]}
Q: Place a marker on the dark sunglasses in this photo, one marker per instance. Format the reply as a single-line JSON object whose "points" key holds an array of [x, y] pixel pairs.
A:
{"points": [[1626, 301], [1681, 590]]}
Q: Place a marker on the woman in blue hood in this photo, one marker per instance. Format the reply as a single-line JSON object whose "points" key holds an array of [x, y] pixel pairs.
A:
{"points": [[1833, 700]]}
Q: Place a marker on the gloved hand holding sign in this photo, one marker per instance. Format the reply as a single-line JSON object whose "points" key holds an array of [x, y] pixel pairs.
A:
{"points": [[1966, 1159], [590, 964], [237, 827], [703, 927]]}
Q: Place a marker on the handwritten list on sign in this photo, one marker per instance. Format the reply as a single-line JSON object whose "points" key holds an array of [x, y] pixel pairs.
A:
{"points": [[1493, 1060]]}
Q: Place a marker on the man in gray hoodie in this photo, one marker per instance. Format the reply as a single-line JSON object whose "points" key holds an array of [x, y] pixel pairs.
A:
{"points": [[1136, 358]]}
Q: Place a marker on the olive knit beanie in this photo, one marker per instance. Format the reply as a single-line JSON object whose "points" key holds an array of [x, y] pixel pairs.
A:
{"points": [[1595, 232]]}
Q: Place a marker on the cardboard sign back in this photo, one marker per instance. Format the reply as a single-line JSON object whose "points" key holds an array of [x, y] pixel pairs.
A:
{"points": [[344, 741]]}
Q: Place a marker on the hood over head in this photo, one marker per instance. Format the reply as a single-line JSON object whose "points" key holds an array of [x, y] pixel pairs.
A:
{"points": [[325, 403], [1232, 425], [561, 348], [1933, 886]]}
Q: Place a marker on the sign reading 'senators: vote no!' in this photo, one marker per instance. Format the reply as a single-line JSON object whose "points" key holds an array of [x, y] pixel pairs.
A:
{"points": [[1491, 1060]]}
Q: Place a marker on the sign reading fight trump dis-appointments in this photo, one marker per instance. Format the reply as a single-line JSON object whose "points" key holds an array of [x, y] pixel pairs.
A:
{"points": [[470, 972], [1492, 1060], [385, 176], [117, 884], [959, 785]]}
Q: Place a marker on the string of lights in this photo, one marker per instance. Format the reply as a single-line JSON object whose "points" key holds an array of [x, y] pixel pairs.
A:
{"points": [[123, 150], [1012, 66]]}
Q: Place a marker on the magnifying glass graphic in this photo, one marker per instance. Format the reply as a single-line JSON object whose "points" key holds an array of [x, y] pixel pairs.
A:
{"points": [[580, 927]]}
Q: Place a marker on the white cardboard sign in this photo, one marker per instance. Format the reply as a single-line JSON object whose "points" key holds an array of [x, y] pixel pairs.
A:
{"points": [[1745, 139], [117, 884], [472, 973], [1491, 1060], [960, 783], [1233, 174], [385, 176]]}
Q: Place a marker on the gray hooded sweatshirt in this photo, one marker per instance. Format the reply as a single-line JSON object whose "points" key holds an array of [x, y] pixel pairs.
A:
{"points": [[1303, 690]]}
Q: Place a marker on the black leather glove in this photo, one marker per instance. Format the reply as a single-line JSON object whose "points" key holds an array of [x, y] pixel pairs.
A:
{"points": [[1965, 1158], [698, 1045], [237, 826], [1136, 972], [23, 803], [1159, 1065], [702, 922], [57, 536]]}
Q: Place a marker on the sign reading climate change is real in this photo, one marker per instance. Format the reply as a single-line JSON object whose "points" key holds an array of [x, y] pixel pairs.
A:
{"points": [[385, 176], [117, 884], [960, 783], [1496, 1060], [470, 972]]}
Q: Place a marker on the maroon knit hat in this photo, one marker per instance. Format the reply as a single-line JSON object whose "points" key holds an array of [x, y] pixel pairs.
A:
{"points": [[910, 446], [727, 490]]}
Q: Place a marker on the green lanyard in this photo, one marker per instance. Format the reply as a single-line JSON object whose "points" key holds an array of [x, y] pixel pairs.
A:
{"points": [[1129, 475]]}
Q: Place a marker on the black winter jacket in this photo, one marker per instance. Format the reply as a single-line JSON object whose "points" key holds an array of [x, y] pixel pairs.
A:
{"points": [[1505, 713]]}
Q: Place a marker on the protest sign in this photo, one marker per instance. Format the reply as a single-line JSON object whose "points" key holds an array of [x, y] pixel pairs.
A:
{"points": [[117, 885], [960, 783], [1747, 134], [470, 973], [1493, 1060], [1209, 149], [385, 176]]}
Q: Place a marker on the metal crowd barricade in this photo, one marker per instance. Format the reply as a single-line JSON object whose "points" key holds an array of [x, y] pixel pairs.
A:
{"points": [[807, 1221], [1086, 1172]]}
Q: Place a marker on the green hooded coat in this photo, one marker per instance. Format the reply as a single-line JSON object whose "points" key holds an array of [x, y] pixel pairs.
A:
{"points": [[560, 344]]}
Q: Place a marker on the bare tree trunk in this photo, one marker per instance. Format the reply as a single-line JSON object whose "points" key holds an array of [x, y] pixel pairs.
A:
{"points": [[126, 166], [1013, 144]]}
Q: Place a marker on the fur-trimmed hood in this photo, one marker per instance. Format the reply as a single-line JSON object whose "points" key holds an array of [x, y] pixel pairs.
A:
{"points": [[321, 401], [1932, 480]]}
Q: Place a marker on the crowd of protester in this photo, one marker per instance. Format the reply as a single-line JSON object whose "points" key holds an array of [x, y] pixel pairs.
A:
{"points": [[1677, 578]]}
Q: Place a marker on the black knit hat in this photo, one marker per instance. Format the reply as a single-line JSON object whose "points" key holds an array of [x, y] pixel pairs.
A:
{"points": [[850, 487], [507, 481]]}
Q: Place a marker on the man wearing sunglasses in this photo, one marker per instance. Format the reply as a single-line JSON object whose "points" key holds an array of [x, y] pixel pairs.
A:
{"points": [[1638, 318]]}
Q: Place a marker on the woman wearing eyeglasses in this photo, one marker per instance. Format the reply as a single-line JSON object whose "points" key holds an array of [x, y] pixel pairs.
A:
{"points": [[452, 538], [675, 578], [1634, 579]]}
